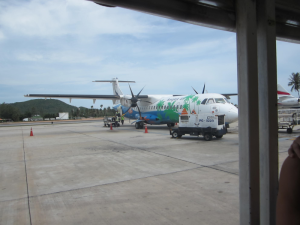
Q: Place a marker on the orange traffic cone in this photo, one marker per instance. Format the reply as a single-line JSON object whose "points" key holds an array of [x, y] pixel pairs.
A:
{"points": [[146, 129], [31, 133], [111, 127]]}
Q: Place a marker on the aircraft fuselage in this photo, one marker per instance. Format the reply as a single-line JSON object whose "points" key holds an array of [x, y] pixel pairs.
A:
{"points": [[166, 109]]}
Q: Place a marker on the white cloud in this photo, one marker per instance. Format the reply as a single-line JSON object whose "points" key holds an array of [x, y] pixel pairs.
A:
{"points": [[2, 37], [61, 57], [203, 48], [70, 17]]}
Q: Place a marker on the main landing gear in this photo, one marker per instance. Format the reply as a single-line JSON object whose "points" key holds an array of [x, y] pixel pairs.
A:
{"points": [[139, 125]]}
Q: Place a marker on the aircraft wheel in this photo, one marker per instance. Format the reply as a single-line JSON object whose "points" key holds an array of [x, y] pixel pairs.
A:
{"points": [[172, 124], [169, 125], [141, 125], [179, 136], [219, 136], [105, 124], [175, 134], [207, 136], [289, 130], [137, 126]]}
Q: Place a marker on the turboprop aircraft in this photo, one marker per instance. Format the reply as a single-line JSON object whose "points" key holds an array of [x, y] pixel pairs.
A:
{"points": [[158, 109], [285, 99]]}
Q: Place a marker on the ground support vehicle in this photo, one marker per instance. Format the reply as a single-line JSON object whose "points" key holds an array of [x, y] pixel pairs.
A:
{"points": [[287, 121], [204, 124], [110, 121]]}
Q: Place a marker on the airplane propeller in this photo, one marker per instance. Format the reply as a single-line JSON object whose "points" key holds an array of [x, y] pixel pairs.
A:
{"points": [[195, 90], [134, 99], [202, 90]]}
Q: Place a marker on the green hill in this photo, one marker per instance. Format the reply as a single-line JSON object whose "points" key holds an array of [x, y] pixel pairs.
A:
{"points": [[41, 106]]}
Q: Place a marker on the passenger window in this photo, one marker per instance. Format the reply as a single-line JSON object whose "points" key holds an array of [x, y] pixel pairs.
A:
{"points": [[177, 106], [180, 106], [220, 100], [210, 101], [164, 107], [204, 101]]}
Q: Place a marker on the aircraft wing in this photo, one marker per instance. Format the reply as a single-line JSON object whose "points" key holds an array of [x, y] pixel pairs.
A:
{"points": [[228, 95], [106, 97]]}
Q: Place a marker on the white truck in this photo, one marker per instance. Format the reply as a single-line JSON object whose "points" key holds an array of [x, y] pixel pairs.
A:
{"points": [[206, 124]]}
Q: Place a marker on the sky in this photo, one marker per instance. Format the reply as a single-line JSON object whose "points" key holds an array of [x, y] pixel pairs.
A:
{"points": [[61, 46]]}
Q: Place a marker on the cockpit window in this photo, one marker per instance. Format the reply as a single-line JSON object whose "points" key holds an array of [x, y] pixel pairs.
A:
{"points": [[220, 100], [210, 101], [227, 100], [204, 101]]}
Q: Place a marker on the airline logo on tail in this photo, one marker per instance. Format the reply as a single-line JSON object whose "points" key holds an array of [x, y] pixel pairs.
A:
{"points": [[282, 91]]}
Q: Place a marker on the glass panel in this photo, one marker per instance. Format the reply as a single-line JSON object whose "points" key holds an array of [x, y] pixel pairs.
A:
{"points": [[220, 100], [210, 101], [204, 101]]}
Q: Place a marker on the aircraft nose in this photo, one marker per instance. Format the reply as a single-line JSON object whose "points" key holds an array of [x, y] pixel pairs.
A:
{"points": [[232, 114]]}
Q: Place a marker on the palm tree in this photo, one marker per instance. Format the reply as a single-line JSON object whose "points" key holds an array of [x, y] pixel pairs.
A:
{"points": [[295, 82]]}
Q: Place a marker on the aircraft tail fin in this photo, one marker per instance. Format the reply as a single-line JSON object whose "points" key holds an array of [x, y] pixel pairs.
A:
{"points": [[282, 91], [116, 88]]}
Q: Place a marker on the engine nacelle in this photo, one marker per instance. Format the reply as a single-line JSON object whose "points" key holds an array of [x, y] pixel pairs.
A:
{"points": [[290, 102], [125, 100]]}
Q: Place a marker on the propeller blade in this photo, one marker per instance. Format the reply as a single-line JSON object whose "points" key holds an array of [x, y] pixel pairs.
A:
{"points": [[140, 92], [126, 111], [195, 90], [131, 91], [203, 89], [139, 112]]}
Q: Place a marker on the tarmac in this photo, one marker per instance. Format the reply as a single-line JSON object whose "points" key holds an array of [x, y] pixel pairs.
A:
{"points": [[84, 173]]}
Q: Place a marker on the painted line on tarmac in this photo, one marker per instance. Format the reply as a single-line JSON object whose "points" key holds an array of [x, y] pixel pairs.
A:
{"points": [[24, 157], [142, 149]]}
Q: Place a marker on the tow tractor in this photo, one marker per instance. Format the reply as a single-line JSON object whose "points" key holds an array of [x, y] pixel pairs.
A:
{"points": [[287, 121], [110, 120], [206, 124]]}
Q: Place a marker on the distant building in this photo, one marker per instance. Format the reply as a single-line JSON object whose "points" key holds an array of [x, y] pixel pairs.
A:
{"points": [[63, 116]]}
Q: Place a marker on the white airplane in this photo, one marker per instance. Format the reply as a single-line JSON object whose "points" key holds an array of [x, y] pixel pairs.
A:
{"points": [[159, 109], [285, 99]]}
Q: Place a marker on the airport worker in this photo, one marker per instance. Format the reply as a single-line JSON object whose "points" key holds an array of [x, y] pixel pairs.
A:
{"points": [[122, 119], [117, 118], [288, 200]]}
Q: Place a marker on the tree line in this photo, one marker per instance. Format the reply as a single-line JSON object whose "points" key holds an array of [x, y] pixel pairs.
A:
{"points": [[11, 112]]}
